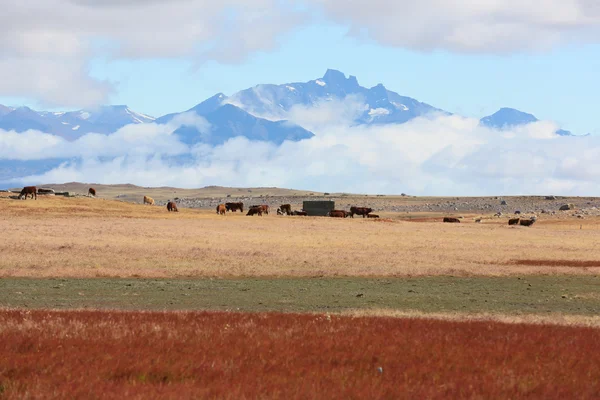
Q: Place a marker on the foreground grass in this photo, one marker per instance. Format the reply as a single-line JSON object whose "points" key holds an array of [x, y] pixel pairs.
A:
{"points": [[93, 354], [81, 237], [539, 295]]}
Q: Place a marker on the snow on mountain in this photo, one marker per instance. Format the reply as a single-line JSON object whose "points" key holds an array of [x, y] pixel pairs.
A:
{"points": [[70, 124], [228, 121], [506, 118], [381, 105]]}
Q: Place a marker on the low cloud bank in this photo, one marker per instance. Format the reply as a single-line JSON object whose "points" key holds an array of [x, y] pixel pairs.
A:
{"points": [[435, 155]]}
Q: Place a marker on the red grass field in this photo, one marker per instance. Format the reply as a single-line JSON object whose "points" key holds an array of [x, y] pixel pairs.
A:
{"points": [[95, 354]]}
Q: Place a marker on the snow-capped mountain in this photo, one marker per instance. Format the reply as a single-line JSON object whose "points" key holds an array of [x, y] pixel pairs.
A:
{"points": [[509, 117], [381, 105], [228, 121], [258, 113], [71, 124]]}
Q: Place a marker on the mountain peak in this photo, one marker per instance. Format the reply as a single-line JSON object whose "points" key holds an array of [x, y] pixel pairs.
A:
{"points": [[335, 77], [209, 105], [507, 117]]}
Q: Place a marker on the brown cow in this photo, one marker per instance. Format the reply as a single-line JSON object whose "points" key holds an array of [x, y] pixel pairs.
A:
{"points": [[285, 209], [300, 213], [172, 206], [255, 210], [264, 208], [29, 190], [372, 216], [337, 213], [233, 207], [451, 220], [221, 209], [527, 222], [92, 192], [364, 211], [148, 200], [514, 221]]}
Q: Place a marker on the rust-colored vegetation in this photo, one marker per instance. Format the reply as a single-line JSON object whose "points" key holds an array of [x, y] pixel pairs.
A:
{"points": [[92, 354]]}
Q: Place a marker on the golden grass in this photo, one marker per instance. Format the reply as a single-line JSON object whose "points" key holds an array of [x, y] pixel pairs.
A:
{"points": [[81, 237], [550, 319]]}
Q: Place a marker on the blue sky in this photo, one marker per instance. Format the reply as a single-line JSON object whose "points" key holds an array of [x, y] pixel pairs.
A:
{"points": [[557, 82]]}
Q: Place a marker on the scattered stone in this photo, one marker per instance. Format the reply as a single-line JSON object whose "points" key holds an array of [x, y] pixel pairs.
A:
{"points": [[550, 197], [566, 207], [503, 203]]}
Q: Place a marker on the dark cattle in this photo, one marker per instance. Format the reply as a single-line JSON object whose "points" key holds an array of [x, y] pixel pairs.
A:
{"points": [[527, 222], [233, 207], [29, 190], [337, 213], [451, 220], [255, 210], [514, 221], [221, 209], [372, 216], [92, 192], [300, 213], [264, 208], [517, 212], [172, 206], [285, 209], [364, 211]]}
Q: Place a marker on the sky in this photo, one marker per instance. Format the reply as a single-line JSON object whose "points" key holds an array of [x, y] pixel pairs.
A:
{"points": [[469, 58], [158, 57]]}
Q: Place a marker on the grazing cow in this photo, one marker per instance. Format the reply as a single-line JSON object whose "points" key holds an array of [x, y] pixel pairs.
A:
{"points": [[92, 192], [148, 200], [527, 222], [172, 206], [300, 213], [279, 212], [233, 207], [372, 216], [285, 209], [255, 210], [337, 213], [451, 220], [221, 209], [514, 221], [264, 208], [364, 211], [28, 190]]}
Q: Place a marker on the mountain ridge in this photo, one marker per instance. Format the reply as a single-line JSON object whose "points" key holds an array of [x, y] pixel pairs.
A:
{"points": [[260, 112]]}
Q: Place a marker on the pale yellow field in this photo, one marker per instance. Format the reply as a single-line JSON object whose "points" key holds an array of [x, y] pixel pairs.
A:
{"points": [[81, 237]]}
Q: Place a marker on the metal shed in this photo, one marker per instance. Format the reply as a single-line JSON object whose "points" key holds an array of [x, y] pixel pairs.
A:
{"points": [[318, 208]]}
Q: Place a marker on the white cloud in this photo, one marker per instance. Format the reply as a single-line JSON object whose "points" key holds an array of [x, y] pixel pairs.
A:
{"points": [[46, 45], [484, 26], [438, 155]]}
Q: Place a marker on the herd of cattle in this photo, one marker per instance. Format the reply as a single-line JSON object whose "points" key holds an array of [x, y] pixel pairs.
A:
{"points": [[284, 209]]}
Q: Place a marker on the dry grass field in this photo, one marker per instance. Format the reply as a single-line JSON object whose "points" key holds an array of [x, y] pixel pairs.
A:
{"points": [[92, 354], [86, 237], [420, 305]]}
